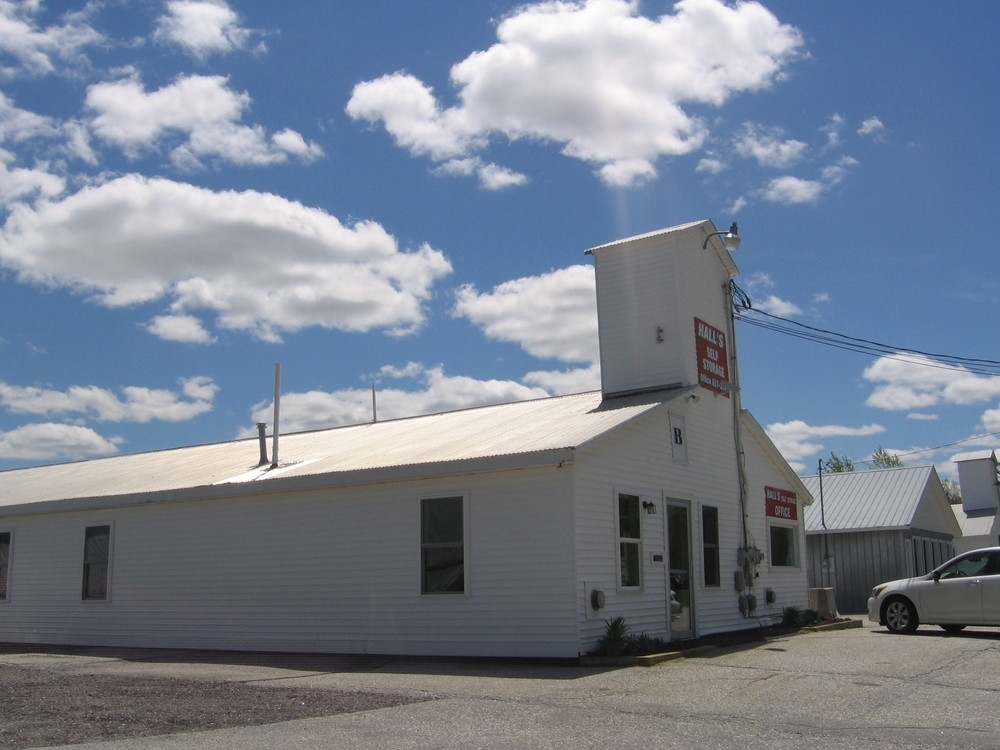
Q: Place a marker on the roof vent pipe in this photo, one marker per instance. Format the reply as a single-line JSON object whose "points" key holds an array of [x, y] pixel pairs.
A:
{"points": [[262, 438], [277, 401]]}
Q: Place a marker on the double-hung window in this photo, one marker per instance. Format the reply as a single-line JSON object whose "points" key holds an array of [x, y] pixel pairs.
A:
{"points": [[783, 548], [96, 561], [629, 541], [710, 545], [4, 563], [442, 545]]}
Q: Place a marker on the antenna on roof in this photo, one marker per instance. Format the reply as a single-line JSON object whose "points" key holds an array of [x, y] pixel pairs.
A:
{"points": [[374, 405], [277, 401]]}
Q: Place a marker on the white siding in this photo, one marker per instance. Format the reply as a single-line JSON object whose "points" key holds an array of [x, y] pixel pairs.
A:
{"points": [[335, 571], [639, 459], [789, 584], [649, 291]]}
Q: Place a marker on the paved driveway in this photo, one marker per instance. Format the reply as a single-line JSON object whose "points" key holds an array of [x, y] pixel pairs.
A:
{"points": [[857, 688]]}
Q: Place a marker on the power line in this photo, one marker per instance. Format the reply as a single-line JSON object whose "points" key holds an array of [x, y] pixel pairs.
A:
{"points": [[744, 309], [948, 445], [778, 324]]}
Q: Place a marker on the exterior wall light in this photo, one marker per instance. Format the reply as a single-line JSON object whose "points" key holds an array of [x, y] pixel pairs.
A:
{"points": [[649, 507], [730, 239]]}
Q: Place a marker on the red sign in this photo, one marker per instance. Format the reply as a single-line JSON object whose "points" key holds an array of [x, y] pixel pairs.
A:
{"points": [[781, 504], [713, 360]]}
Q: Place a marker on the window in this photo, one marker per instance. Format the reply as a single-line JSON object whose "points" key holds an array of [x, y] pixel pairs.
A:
{"points": [[96, 555], [710, 545], [629, 540], [975, 564], [442, 545], [4, 562], [783, 552]]}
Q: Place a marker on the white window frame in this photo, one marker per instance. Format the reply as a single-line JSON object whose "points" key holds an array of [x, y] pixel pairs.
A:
{"points": [[621, 540], [5, 575], [716, 547], [109, 564], [464, 497], [793, 532]]}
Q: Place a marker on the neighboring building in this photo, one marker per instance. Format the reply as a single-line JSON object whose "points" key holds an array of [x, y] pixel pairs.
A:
{"points": [[867, 527], [507, 530], [979, 478]]}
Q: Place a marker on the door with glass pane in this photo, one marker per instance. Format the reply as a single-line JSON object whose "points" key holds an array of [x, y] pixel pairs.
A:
{"points": [[681, 595]]}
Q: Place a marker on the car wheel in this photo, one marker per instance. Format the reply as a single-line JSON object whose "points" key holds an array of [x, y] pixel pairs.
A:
{"points": [[952, 628], [900, 616]]}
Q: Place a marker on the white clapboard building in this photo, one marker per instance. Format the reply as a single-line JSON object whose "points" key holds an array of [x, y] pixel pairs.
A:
{"points": [[506, 530]]}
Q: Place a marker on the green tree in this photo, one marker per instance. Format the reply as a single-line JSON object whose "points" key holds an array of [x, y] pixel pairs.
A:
{"points": [[836, 464], [882, 459], [952, 491]]}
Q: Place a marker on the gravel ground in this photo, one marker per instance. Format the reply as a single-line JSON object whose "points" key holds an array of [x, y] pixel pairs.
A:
{"points": [[41, 708]]}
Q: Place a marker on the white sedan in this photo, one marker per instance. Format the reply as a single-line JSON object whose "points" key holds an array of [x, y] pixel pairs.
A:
{"points": [[963, 591]]}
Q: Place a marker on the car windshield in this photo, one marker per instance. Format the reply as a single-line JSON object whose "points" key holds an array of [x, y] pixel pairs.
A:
{"points": [[971, 565]]}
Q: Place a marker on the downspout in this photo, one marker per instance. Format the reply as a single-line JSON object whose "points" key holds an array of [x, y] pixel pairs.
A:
{"points": [[737, 408]]}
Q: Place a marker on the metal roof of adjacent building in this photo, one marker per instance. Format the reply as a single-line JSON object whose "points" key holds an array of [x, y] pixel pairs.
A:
{"points": [[867, 500], [522, 433]]}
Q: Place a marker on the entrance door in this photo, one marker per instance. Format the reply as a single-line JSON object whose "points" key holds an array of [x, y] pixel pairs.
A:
{"points": [[680, 597]]}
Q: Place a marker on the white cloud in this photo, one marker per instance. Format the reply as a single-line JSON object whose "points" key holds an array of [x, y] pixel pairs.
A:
{"points": [[495, 177], [797, 440], [17, 125], [833, 130], [261, 263], [183, 328], [758, 284], [991, 420], [790, 190], [551, 315], [436, 392], [491, 176], [910, 381], [596, 76], [873, 128], [777, 306], [768, 146], [18, 183], [834, 174], [49, 441], [711, 165], [560, 382], [38, 50], [138, 404], [201, 27], [201, 112]]}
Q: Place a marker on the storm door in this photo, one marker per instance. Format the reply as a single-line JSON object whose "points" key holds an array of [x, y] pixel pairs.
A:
{"points": [[681, 596]]}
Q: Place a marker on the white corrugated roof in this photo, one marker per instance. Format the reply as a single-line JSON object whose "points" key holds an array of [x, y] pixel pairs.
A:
{"points": [[866, 500], [507, 434]]}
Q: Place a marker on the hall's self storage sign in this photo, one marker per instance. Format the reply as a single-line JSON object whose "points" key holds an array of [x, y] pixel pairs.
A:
{"points": [[713, 359]]}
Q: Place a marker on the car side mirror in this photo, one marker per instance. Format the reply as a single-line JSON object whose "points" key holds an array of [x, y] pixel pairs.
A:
{"points": [[937, 575]]}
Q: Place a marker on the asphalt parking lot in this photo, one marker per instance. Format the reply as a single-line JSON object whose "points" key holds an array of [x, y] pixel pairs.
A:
{"points": [[856, 688]]}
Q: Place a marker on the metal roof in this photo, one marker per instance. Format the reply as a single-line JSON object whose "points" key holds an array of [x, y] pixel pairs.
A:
{"points": [[500, 436], [866, 500]]}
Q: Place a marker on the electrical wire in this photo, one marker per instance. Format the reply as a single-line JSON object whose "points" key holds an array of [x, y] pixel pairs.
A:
{"points": [[746, 313], [744, 310]]}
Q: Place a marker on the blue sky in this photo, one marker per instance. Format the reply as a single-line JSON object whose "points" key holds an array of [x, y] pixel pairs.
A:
{"points": [[399, 196]]}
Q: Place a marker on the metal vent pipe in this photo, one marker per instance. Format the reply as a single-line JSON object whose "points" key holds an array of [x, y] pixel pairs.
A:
{"points": [[262, 438]]}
